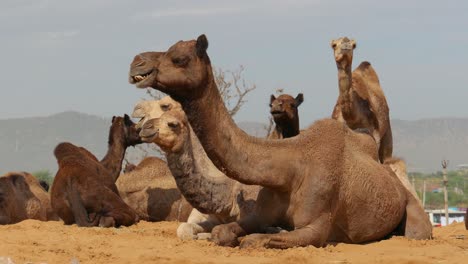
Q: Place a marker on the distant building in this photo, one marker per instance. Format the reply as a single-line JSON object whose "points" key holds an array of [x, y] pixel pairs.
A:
{"points": [[462, 167], [437, 217]]}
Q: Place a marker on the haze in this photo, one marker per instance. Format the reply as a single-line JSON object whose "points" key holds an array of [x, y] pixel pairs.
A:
{"points": [[59, 55]]}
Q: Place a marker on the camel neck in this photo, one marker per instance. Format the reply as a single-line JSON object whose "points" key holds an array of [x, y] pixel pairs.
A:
{"points": [[344, 83], [204, 186], [234, 152], [112, 161], [288, 127]]}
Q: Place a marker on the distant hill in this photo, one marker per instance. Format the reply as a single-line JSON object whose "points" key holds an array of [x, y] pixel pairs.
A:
{"points": [[27, 144]]}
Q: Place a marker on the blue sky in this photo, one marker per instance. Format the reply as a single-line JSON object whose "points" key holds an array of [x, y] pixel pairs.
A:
{"points": [[59, 55]]}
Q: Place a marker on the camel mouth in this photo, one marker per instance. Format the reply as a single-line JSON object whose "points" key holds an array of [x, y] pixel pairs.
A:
{"points": [[139, 78], [276, 113], [148, 137]]}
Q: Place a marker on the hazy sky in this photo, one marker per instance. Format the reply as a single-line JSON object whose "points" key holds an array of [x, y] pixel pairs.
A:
{"points": [[59, 55]]}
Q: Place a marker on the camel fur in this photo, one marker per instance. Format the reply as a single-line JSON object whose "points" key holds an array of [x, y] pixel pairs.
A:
{"points": [[361, 102], [284, 110], [320, 185], [151, 191], [22, 197], [84, 190], [221, 199]]}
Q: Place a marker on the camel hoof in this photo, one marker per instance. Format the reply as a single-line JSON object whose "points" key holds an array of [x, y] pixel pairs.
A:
{"points": [[223, 236], [106, 221], [204, 236], [186, 231], [253, 241]]}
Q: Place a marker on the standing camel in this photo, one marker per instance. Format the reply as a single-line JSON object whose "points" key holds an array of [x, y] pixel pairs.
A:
{"points": [[319, 185], [284, 110], [361, 102]]}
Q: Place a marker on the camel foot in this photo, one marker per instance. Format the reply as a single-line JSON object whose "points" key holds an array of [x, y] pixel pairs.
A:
{"points": [[204, 236], [254, 241], [222, 235], [187, 231], [106, 221]]}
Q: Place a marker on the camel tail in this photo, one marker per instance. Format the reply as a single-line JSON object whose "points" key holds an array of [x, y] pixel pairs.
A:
{"points": [[78, 209]]}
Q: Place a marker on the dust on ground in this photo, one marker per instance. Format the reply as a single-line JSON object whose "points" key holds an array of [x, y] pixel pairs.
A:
{"points": [[52, 242]]}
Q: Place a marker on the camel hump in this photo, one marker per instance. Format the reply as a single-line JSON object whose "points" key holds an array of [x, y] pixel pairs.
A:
{"points": [[64, 149]]}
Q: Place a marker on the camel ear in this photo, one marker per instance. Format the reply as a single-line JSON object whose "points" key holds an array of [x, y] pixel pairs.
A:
{"points": [[113, 118], [202, 45], [353, 42], [127, 120], [299, 99], [272, 99]]}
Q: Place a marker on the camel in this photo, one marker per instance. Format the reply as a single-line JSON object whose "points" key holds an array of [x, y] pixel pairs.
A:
{"points": [[84, 190], [285, 114], [151, 191], [319, 185], [361, 102], [228, 200], [153, 108], [22, 197]]}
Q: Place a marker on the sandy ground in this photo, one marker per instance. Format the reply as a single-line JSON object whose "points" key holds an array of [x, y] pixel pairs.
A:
{"points": [[52, 242]]}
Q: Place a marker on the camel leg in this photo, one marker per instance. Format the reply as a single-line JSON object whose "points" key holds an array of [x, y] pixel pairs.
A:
{"points": [[196, 223], [416, 223], [111, 206], [386, 147], [228, 234], [315, 234]]}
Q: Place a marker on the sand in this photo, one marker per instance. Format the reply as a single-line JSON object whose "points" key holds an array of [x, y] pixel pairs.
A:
{"points": [[52, 242]]}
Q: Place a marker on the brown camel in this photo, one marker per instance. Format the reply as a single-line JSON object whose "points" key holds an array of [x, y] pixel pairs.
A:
{"points": [[151, 191], [286, 115], [361, 102], [466, 219], [222, 203], [319, 185], [22, 197], [84, 190]]}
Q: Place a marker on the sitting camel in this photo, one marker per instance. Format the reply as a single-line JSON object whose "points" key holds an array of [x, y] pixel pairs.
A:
{"points": [[361, 102], [320, 185], [151, 191], [222, 202], [22, 197], [84, 190], [285, 114]]}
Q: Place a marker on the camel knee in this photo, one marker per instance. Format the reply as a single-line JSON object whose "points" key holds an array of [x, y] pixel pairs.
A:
{"points": [[188, 231]]}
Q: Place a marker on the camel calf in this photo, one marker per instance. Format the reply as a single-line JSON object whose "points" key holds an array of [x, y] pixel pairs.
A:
{"points": [[84, 190], [22, 197]]}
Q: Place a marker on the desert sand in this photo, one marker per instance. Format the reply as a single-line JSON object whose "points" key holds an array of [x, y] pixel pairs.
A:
{"points": [[52, 242]]}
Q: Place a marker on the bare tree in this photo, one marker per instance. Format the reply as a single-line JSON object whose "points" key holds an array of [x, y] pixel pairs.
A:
{"points": [[233, 88]]}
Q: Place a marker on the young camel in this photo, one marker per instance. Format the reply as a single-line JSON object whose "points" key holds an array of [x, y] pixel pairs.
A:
{"points": [[151, 191], [321, 185], [361, 102], [22, 197], [222, 201], [84, 190], [284, 110]]}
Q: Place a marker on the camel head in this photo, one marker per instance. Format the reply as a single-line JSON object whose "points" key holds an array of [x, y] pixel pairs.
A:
{"points": [[146, 110], [144, 68], [169, 132], [179, 71], [284, 107], [125, 129], [343, 51]]}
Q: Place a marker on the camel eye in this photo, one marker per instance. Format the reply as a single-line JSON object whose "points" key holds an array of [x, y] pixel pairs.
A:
{"points": [[173, 124], [165, 107], [180, 61], [334, 45]]}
